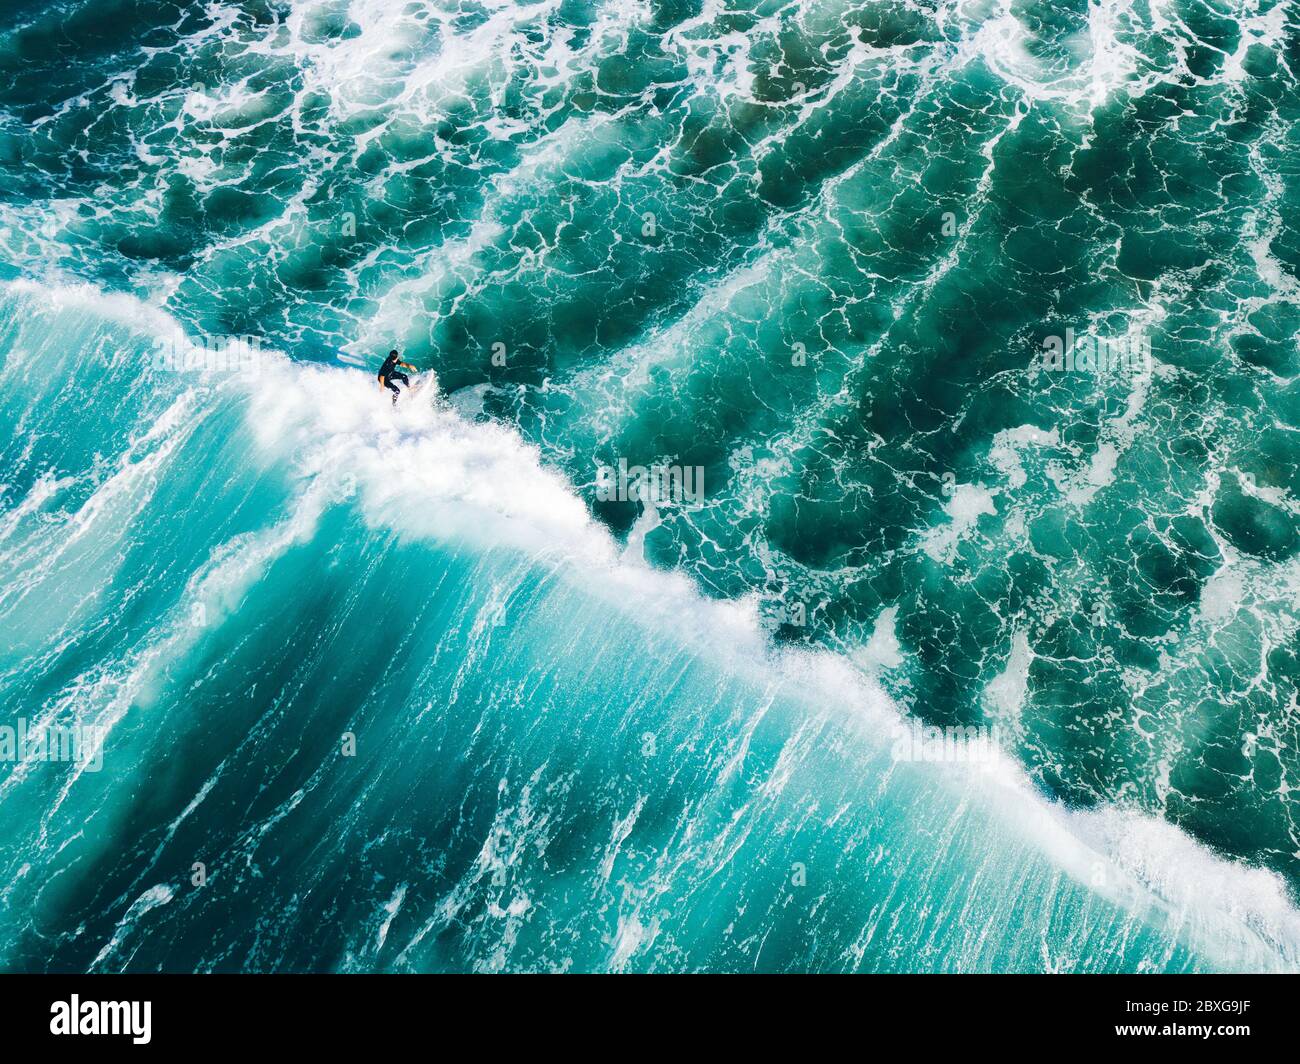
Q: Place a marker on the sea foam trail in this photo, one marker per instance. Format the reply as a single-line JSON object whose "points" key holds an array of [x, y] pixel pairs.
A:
{"points": [[570, 761]]}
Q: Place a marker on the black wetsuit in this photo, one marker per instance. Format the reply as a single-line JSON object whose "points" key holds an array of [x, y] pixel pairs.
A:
{"points": [[389, 375]]}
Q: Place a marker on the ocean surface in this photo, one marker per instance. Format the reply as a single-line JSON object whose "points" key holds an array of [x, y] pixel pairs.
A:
{"points": [[963, 636]]}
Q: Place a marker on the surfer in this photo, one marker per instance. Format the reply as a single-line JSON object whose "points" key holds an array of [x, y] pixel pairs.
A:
{"points": [[388, 375]]}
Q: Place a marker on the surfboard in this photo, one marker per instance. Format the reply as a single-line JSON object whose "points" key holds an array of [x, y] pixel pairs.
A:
{"points": [[425, 386]]}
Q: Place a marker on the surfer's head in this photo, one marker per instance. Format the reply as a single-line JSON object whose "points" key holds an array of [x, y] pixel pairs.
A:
{"points": [[393, 351]]}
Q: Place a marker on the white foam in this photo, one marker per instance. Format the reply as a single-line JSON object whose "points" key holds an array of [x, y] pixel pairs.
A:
{"points": [[1222, 594], [155, 896], [1099, 63], [967, 504], [1007, 690], [1007, 445], [882, 650]]}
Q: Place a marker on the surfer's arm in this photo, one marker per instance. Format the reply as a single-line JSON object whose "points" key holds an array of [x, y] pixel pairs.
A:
{"points": [[407, 365]]}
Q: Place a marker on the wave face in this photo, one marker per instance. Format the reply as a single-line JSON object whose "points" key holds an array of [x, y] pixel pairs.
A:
{"points": [[408, 689]]}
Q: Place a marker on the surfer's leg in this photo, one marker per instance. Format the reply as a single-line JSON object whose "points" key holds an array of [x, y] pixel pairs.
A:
{"points": [[388, 383]]}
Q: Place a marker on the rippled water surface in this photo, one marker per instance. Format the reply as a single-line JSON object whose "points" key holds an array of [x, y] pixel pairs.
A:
{"points": [[975, 324]]}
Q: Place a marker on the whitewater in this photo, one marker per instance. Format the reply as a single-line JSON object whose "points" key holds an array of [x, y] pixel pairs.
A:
{"points": [[394, 688]]}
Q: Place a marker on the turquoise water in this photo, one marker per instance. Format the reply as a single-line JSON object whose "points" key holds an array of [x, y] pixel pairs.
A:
{"points": [[404, 689]]}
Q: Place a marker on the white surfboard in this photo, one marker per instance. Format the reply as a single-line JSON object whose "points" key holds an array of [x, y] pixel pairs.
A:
{"points": [[425, 386]]}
